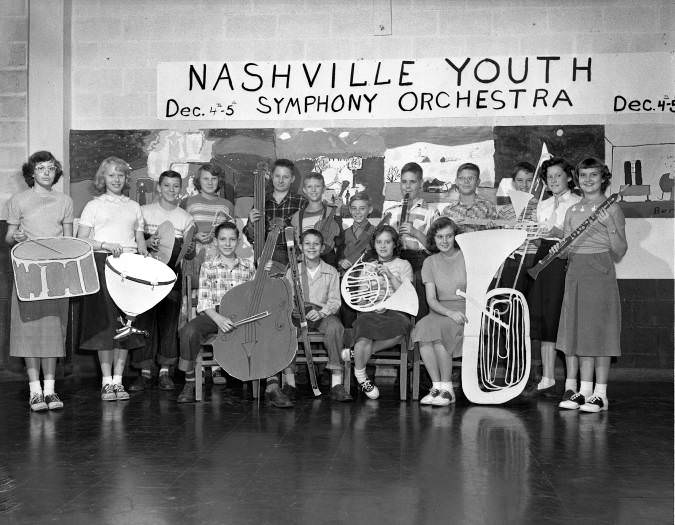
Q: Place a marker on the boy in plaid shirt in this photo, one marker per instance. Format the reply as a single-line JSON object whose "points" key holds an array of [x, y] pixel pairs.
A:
{"points": [[281, 203], [217, 276]]}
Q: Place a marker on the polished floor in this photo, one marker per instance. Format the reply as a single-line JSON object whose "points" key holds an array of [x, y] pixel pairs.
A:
{"points": [[152, 461]]}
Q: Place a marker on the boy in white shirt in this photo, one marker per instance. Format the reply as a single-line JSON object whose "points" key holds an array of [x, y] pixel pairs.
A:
{"points": [[162, 320]]}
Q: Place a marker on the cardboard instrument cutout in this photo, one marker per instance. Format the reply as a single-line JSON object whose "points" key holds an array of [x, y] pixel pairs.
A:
{"points": [[136, 284], [167, 237], [497, 334], [53, 268]]}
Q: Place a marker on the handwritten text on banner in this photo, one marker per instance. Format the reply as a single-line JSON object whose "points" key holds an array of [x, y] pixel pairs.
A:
{"points": [[430, 87]]}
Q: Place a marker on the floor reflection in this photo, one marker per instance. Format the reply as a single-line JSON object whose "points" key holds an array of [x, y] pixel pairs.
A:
{"points": [[495, 464], [231, 460]]}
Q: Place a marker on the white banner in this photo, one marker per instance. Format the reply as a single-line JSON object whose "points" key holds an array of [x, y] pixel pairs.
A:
{"points": [[582, 84]]}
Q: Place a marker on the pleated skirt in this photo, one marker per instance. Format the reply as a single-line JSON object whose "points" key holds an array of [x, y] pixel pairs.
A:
{"points": [[590, 320]]}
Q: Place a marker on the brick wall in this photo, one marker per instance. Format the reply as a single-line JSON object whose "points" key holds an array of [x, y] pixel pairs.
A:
{"points": [[117, 44], [13, 135], [13, 91]]}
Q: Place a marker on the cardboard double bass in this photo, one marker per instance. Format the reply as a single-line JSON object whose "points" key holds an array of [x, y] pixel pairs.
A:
{"points": [[264, 340]]}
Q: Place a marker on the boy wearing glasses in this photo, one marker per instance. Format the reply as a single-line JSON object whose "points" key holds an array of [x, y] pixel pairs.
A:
{"points": [[469, 205]]}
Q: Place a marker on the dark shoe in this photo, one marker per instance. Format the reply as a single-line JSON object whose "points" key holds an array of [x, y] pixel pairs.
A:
{"points": [[571, 400], [53, 401], [429, 398], [277, 398], [37, 402], [370, 389], [338, 393], [120, 393], [290, 392], [108, 393], [532, 391], [444, 398], [187, 395], [594, 404], [165, 382], [140, 384], [218, 377]]}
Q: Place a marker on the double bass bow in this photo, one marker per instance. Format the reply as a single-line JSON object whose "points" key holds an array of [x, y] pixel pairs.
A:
{"points": [[264, 340], [299, 297]]}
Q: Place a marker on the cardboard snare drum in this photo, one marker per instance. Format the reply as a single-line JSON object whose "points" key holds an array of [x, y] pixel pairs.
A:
{"points": [[53, 268]]}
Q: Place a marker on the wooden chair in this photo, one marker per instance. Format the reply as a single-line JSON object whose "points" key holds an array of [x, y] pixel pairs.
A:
{"points": [[389, 357], [319, 354], [205, 356]]}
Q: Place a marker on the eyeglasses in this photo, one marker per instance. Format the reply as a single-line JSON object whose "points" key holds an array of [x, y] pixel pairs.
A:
{"points": [[45, 169]]}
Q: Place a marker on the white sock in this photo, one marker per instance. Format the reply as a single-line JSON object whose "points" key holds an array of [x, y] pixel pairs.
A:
{"points": [[586, 388], [360, 375], [116, 380], [335, 378], [49, 386], [164, 370], [545, 382], [289, 377], [436, 385], [447, 386], [571, 384], [35, 387], [107, 380], [600, 390]]}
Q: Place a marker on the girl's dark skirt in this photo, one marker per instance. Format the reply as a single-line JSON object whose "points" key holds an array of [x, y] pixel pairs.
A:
{"points": [[374, 326], [590, 321], [38, 328], [100, 317], [546, 296]]}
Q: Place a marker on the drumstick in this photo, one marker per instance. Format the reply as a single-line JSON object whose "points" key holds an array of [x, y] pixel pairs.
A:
{"points": [[476, 303], [48, 247]]}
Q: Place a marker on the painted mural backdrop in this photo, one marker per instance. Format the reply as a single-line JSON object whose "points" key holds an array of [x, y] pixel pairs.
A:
{"points": [[370, 160]]}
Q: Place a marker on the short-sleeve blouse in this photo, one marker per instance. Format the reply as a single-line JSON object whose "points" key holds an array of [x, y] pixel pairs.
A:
{"points": [[40, 214], [113, 219], [447, 274]]}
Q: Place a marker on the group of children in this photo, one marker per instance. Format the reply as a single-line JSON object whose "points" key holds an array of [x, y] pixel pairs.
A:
{"points": [[566, 305]]}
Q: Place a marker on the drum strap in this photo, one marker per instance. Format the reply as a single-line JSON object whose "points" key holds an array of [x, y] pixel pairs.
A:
{"points": [[135, 279]]}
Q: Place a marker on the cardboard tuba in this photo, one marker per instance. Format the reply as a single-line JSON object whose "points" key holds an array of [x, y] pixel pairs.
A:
{"points": [[496, 355]]}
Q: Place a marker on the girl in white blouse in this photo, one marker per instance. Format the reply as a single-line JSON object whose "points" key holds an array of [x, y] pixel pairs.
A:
{"points": [[113, 223]]}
